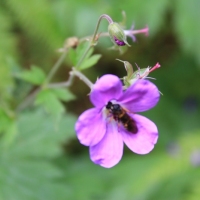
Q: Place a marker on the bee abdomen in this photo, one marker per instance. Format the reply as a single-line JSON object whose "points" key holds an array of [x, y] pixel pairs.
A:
{"points": [[129, 123]]}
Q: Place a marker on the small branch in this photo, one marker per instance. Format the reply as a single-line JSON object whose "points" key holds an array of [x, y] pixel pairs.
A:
{"points": [[28, 100], [83, 78], [56, 66], [67, 83], [92, 41], [108, 18]]}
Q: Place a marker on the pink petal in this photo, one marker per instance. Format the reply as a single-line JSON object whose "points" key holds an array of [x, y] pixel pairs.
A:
{"points": [[141, 96], [106, 88], [108, 152], [143, 141], [90, 127]]}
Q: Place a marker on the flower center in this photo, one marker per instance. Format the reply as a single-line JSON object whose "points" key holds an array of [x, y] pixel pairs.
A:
{"points": [[120, 115]]}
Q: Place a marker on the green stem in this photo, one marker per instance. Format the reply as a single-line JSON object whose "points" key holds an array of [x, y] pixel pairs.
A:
{"points": [[68, 83], [75, 72], [93, 40], [98, 23], [83, 56], [56, 67], [28, 100], [83, 78]]}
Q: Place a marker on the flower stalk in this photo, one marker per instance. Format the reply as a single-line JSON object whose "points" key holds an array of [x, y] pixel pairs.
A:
{"points": [[56, 67], [93, 40], [82, 77]]}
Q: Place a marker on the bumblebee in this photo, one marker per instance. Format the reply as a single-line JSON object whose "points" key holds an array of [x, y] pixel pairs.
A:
{"points": [[120, 115]]}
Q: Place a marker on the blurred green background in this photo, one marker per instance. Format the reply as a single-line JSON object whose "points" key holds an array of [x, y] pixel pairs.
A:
{"points": [[40, 156]]}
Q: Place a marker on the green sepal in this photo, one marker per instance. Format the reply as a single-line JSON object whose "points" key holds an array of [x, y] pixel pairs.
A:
{"points": [[116, 31]]}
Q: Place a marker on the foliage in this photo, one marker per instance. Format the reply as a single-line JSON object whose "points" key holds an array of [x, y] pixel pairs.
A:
{"points": [[90, 60], [33, 164], [50, 99], [35, 75], [27, 170]]}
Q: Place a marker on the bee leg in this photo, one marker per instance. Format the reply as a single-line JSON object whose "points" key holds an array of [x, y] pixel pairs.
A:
{"points": [[118, 125], [110, 117]]}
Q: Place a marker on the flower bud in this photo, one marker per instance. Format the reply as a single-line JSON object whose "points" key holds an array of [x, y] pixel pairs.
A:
{"points": [[132, 76], [117, 34]]}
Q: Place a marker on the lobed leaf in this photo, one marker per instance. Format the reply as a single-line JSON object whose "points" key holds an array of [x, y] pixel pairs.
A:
{"points": [[90, 61], [49, 100], [35, 75], [63, 94], [26, 167]]}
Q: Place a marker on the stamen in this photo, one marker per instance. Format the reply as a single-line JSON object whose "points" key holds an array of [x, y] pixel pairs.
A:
{"points": [[155, 67], [134, 32]]}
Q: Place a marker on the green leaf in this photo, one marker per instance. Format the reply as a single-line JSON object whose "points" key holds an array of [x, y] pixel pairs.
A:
{"points": [[76, 54], [26, 167], [72, 56], [8, 126], [90, 61], [35, 75], [49, 100], [63, 94], [8, 49], [39, 136], [80, 50]]}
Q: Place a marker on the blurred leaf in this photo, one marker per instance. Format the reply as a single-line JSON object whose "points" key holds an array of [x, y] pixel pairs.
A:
{"points": [[76, 54], [72, 56], [26, 168], [35, 75], [90, 61], [80, 50], [63, 94], [31, 180], [5, 120], [49, 100], [7, 50], [8, 126], [36, 129]]}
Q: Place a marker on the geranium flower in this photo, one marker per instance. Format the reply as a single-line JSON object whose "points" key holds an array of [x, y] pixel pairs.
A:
{"points": [[104, 134]]}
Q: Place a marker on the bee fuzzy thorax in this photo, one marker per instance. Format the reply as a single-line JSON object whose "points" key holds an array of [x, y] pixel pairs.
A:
{"points": [[120, 116]]}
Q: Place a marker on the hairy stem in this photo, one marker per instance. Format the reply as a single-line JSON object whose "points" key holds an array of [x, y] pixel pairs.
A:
{"points": [[98, 23], [93, 40], [67, 83], [28, 100], [56, 67], [83, 78]]}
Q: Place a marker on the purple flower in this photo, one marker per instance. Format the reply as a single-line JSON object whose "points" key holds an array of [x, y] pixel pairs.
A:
{"points": [[103, 130]]}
